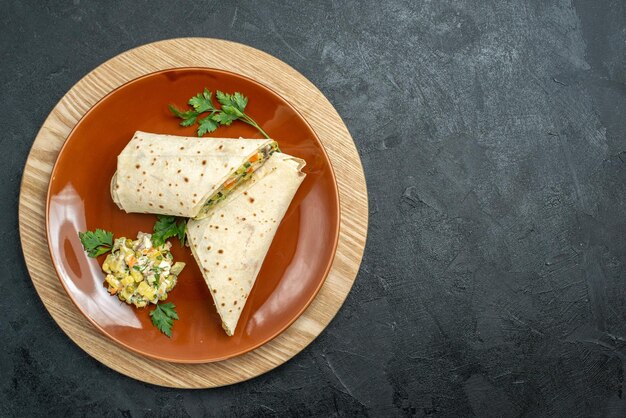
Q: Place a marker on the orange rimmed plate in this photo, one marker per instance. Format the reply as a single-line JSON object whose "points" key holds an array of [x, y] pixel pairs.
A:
{"points": [[78, 200]]}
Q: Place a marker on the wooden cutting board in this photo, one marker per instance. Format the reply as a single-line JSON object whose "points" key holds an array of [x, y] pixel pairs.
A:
{"points": [[212, 53]]}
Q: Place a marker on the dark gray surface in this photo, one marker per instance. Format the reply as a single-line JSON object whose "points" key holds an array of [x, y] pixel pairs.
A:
{"points": [[493, 140]]}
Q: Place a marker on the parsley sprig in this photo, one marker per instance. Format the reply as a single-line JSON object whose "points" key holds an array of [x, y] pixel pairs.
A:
{"points": [[232, 109], [167, 227], [96, 242], [163, 317]]}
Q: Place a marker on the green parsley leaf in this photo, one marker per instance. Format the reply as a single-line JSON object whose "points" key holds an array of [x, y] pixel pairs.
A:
{"points": [[239, 101], [167, 227], [188, 122], [163, 229], [232, 110], [176, 112], [180, 113], [206, 125], [189, 117], [224, 99], [96, 243], [224, 118], [182, 232], [163, 317], [201, 102]]}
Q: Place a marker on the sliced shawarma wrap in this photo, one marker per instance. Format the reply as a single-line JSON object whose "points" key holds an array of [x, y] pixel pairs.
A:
{"points": [[183, 176], [230, 244]]}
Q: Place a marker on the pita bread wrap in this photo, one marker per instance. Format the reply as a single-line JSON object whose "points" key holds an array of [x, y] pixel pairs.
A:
{"points": [[230, 244], [183, 176]]}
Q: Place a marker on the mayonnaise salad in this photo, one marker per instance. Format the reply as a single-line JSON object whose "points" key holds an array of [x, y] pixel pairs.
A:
{"points": [[140, 273]]}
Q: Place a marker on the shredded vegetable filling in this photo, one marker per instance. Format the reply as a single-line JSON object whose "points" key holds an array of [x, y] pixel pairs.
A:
{"points": [[239, 176], [140, 273]]}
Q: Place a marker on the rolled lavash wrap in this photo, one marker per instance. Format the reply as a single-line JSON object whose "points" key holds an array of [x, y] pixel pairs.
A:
{"points": [[183, 176], [231, 243]]}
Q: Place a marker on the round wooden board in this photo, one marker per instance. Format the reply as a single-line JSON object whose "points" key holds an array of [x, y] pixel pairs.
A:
{"points": [[212, 53]]}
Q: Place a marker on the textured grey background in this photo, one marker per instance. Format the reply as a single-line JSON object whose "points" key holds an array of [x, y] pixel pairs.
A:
{"points": [[493, 139]]}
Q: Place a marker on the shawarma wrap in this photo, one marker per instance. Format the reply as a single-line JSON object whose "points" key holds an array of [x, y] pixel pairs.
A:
{"points": [[231, 242], [183, 176]]}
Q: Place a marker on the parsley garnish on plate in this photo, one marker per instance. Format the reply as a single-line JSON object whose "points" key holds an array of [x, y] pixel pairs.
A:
{"points": [[96, 242], [232, 109], [167, 227], [163, 317]]}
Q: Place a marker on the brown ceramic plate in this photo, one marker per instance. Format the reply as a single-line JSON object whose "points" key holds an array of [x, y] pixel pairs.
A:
{"points": [[78, 200]]}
